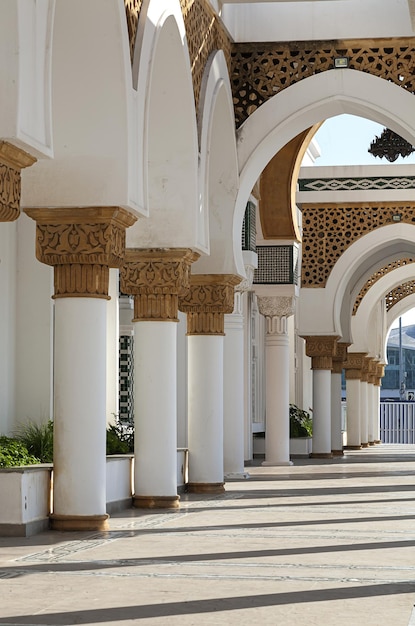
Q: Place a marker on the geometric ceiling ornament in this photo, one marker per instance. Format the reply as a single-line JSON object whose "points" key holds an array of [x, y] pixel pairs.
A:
{"points": [[391, 146]]}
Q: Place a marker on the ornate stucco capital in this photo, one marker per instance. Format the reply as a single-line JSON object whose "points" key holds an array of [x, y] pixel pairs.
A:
{"points": [[354, 365], [246, 283], [12, 161], [156, 277], [81, 244], [340, 357], [209, 298], [321, 349], [276, 310]]}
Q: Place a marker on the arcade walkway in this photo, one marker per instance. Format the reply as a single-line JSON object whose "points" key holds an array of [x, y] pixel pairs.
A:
{"points": [[327, 543]]}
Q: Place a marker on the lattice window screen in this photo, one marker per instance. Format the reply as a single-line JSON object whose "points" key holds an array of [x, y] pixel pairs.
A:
{"points": [[277, 265], [126, 378]]}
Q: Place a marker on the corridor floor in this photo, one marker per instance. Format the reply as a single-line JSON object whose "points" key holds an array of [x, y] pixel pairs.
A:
{"points": [[322, 542]]}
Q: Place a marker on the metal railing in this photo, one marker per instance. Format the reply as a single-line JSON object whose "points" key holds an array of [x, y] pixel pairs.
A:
{"points": [[397, 422]]}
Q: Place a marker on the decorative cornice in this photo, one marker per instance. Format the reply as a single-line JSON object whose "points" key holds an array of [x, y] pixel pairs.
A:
{"points": [[12, 161], [321, 349], [156, 277], [81, 243], [209, 298], [366, 183]]}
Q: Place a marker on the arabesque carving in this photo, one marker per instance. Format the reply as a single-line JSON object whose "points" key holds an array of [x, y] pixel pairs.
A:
{"points": [[82, 244], [156, 278], [261, 70], [321, 349], [210, 296], [12, 161], [329, 229], [354, 365]]}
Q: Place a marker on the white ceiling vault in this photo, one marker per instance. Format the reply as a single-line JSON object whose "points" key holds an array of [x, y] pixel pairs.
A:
{"points": [[307, 20]]}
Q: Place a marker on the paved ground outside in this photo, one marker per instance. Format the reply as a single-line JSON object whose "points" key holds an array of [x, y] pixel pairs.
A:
{"points": [[321, 543]]}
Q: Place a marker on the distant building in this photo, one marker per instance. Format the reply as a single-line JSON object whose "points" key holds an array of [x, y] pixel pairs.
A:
{"points": [[391, 383]]}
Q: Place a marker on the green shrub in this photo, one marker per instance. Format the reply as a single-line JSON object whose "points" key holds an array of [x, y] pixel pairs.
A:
{"points": [[119, 441], [14, 453], [301, 424], [38, 439]]}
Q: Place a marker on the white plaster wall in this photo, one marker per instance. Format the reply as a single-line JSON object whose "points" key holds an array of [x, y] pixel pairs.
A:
{"points": [[218, 171], [25, 45], [7, 326], [91, 88], [119, 478], [166, 130], [34, 329], [314, 20], [24, 495]]}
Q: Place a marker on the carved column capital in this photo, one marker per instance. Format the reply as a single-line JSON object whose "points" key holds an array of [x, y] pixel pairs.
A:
{"points": [[81, 244], [340, 358], [12, 161], [354, 365], [276, 310], [246, 283], [209, 298], [156, 277], [365, 370], [372, 370], [321, 349]]}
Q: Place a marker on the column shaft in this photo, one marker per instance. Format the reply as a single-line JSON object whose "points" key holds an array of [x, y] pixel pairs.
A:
{"points": [[321, 413], [353, 413], [336, 414], [364, 436]]}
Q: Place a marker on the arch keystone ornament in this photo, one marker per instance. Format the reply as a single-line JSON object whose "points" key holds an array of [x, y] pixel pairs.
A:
{"points": [[12, 161]]}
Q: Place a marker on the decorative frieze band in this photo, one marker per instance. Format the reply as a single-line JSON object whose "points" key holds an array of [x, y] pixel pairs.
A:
{"points": [[12, 161], [81, 244], [156, 277], [321, 349], [209, 298]]}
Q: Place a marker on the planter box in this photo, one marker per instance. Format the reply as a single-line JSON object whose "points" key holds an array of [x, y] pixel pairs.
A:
{"points": [[25, 496], [119, 482], [301, 446]]}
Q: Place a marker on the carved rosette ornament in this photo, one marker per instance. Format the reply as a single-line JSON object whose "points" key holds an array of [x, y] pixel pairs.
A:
{"points": [[354, 365], [156, 278], [321, 349], [209, 298], [81, 244], [12, 161], [276, 310]]}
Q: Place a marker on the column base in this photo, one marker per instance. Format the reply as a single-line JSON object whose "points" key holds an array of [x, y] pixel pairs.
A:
{"points": [[156, 502], [276, 463], [79, 522], [337, 452], [365, 445], [359, 447], [237, 476], [377, 441], [321, 455], [207, 488], [371, 443]]}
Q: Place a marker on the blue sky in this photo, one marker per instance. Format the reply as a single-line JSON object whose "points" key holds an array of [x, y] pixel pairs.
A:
{"points": [[345, 140]]}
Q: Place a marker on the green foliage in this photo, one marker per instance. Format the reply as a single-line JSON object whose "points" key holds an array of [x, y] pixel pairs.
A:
{"points": [[301, 424], [119, 441], [14, 453], [38, 439]]}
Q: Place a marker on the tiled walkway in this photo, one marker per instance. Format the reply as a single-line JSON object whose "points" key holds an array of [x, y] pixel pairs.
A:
{"points": [[321, 543]]}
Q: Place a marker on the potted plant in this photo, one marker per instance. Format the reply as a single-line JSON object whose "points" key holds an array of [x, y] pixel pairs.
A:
{"points": [[301, 431]]}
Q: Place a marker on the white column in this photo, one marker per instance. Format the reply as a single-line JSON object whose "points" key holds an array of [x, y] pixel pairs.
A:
{"points": [[233, 392], [155, 414], [80, 405], [336, 411], [205, 408], [353, 412], [364, 413], [322, 349], [276, 310], [156, 278], [370, 411], [355, 366], [206, 302], [376, 412]]}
